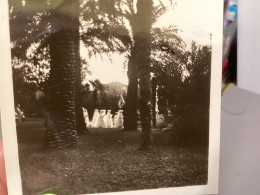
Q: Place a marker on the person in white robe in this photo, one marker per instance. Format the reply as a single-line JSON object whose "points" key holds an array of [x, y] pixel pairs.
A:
{"points": [[20, 114], [101, 121], [95, 118], [85, 114], [115, 119], [109, 120], [120, 120], [105, 117]]}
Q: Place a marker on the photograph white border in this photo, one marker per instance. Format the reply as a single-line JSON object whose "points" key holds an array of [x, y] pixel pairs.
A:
{"points": [[13, 175], [9, 128]]}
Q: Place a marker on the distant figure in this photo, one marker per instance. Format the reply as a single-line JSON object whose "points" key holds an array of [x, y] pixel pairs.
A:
{"points": [[39, 94], [115, 119], [85, 114], [120, 120], [109, 120], [121, 101], [16, 116], [95, 118], [20, 114], [101, 121], [41, 103], [105, 117]]}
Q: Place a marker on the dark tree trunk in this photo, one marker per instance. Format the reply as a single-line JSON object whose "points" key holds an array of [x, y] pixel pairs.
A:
{"points": [[80, 122], [143, 43], [61, 120], [131, 99], [95, 99]]}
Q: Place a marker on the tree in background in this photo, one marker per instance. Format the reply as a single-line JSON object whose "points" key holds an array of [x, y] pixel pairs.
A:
{"points": [[97, 87], [143, 46], [30, 69], [194, 98], [183, 80], [53, 24], [167, 63], [29, 76], [132, 15], [106, 27]]}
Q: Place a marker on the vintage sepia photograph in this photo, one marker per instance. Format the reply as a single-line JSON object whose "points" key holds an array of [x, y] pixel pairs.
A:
{"points": [[113, 95]]}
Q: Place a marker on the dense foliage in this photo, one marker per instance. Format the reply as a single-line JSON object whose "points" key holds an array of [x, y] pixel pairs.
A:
{"points": [[180, 76], [183, 93]]}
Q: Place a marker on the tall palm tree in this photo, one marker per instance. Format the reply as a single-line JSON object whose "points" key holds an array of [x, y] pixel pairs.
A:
{"points": [[61, 121], [63, 39], [132, 89], [33, 19], [136, 21], [143, 43], [65, 59]]}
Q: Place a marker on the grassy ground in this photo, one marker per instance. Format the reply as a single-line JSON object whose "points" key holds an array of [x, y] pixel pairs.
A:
{"points": [[107, 160]]}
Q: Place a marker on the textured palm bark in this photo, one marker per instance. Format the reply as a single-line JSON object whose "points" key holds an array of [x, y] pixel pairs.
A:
{"points": [[80, 122], [61, 119], [130, 123], [143, 43]]}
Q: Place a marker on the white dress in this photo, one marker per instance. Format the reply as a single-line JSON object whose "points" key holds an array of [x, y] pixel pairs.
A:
{"points": [[86, 117], [101, 121], [120, 120], [20, 114], [115, 119], [85, 114], [109, 120], [95, 118], [105, 117]]}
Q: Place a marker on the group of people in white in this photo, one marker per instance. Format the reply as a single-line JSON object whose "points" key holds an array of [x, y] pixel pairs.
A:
{"points": [[104, 119]]}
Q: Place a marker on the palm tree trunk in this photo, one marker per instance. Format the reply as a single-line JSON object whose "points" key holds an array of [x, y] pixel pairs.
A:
{"points": [[61, 120], [95, 99], [143, 43], [131, 99], [80, 122]]}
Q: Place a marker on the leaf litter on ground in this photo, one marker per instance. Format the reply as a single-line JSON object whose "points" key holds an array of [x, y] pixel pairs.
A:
{"points": [[107, 161]]}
